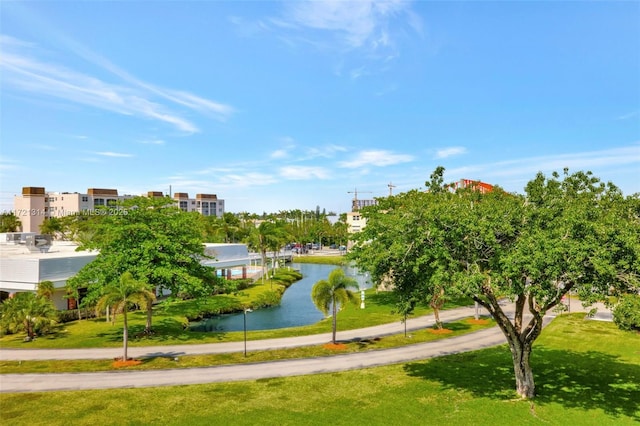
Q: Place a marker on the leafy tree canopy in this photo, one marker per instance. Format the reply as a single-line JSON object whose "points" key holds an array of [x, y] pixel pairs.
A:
{"points": [[152, 239], [569, 233]]}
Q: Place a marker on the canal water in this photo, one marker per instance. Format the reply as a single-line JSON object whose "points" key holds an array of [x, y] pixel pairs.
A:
{"points": [[296, 307]]}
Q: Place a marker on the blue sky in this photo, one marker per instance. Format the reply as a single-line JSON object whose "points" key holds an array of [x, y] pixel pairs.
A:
{"points": [[291, 105]]}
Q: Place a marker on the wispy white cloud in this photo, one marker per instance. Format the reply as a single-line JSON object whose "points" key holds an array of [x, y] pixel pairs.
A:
{"points": [[247, 179], [279, 154], [326, 151], [355, 23], [628, 115], [450, 151], [152, 142], [45, 147], [132, 96], [379, 158], [304, 172], [113, 154]]}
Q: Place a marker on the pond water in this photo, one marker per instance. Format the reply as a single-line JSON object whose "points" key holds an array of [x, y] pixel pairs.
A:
{"points": [[296, 307]]}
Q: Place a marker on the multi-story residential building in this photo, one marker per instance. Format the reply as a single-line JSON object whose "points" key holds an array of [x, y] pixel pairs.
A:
{"points": [[205, 204], [36, 204]]}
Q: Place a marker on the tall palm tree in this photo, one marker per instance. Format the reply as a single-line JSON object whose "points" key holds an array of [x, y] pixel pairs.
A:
{"points": [[264, 237], [29, 312], [120, 296], [335, 291]]}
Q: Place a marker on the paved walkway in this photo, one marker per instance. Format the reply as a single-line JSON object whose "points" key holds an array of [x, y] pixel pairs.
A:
{"points": [[119, 379]]}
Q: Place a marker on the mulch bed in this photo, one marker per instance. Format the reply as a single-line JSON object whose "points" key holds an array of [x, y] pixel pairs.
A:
{"points": [[478, 321], [439, 331], [335, 346], [119, 363]]}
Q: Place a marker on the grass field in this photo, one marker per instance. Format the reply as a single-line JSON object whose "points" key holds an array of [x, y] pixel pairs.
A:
{"points": [[587, 373]]}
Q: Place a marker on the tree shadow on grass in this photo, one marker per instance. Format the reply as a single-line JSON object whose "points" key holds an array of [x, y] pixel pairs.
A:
{"points": [[584, 380]]}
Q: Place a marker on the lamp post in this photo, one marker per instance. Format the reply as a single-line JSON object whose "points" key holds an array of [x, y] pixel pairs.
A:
{"points": [[245, 329]]}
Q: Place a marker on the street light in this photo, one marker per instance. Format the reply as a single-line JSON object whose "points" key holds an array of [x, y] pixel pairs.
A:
{"points": [[245, 329]]}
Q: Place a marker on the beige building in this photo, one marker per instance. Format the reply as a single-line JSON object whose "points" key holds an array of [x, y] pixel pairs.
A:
{"points": [[205, 204], [36, 204]]}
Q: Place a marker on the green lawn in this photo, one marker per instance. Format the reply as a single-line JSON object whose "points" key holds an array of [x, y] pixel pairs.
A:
{"points": [[587, 373]]}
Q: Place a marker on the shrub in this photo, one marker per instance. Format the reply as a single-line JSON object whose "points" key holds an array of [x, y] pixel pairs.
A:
{"points": [[626, 314]]}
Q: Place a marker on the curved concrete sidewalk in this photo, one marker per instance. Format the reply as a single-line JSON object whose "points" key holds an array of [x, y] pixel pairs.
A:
{"points": [[10, 354], [135, 379], [238, 372]]}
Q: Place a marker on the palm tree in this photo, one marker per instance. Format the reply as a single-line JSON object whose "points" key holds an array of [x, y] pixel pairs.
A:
{"points": [[120, 295], [333, 292], [9, 222], [45, 289], [29, 312], [264, 237]]}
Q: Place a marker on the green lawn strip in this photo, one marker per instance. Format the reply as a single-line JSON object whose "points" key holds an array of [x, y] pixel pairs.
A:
{"points": [[593, 383], [68, 366], [321, 259], [169, 322]]}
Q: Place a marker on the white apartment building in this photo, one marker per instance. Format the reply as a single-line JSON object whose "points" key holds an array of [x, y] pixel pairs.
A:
{"points": [[36, 204]]}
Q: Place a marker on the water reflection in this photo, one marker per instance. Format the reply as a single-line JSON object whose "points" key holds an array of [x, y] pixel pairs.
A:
{"points": [[296, 308]]}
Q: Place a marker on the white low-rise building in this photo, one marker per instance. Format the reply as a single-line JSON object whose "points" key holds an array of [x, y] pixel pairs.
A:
{"points": [[22, 267]]}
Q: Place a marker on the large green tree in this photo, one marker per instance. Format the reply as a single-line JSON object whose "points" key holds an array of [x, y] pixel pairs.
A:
{"points": [[27, 312], [121, 296], [153, 240], [334, 293], [569, 233]]}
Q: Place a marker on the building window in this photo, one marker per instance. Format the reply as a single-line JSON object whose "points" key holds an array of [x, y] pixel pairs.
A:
{"points": [[98, 202], [85, 199]]}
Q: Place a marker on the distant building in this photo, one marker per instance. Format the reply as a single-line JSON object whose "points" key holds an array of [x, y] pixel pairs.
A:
{"points": [[36, 204], [475, 184], [205, 204], [358, 204]]}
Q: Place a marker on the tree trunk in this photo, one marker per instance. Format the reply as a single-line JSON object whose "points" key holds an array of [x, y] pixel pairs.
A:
{"points": [[29, 329], [521, 354], [519, 336], [125, 335], [335, 314], [436, 314], [148, 329], [437, 301]]}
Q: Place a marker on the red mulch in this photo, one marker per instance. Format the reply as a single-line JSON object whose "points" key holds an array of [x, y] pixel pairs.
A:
{"points": [[119, 363], [478, 321], [335, 346], [439, 331]]}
